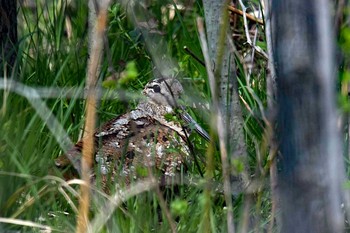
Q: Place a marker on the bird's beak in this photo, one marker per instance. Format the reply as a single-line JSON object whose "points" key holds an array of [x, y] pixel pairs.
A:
{"points": [[193, 124]]}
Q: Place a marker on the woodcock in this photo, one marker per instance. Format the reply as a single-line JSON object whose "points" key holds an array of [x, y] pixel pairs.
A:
{"points": [[143, 138]]}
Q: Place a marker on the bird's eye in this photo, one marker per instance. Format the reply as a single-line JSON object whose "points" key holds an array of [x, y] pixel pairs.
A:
{"points": [[156, 88]]}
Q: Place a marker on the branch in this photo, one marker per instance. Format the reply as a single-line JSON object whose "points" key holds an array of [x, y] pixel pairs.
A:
{"points": [[241, 13], [91, 102], [218, 121]]}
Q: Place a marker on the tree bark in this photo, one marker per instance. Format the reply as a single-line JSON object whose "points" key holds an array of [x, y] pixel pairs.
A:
{"points": [[8, 35], [228, 85], [310, 166]]}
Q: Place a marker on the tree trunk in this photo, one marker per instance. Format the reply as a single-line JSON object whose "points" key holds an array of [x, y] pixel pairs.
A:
{"points": [[310, 166], [8, 36], [228, 85]]}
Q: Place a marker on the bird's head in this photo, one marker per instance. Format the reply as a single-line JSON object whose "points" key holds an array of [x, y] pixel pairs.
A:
{"points": [[163, 91], [166, 92]]}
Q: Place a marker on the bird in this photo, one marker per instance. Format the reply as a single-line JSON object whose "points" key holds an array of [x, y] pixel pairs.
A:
{"points": [[130, 145]]}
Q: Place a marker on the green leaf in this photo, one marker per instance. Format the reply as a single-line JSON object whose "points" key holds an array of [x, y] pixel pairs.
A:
{"points": [[179, 207], [238, 165], [129, 74], [110, 84]]}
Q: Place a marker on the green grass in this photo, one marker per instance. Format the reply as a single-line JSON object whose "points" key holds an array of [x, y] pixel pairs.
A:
{"points": [[48, 58]]}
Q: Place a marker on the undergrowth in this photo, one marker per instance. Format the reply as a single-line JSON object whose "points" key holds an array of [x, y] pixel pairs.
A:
{"points": [[53, 55]]}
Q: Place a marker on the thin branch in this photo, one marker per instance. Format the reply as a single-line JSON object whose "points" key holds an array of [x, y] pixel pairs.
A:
{"points": [[253, 53], [241, 13], [246, 29], [194, 55], [217, 123], [91, 103], [271, 93], [244, 8]]}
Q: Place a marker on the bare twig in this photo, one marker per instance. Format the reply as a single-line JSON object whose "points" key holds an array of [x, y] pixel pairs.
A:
{"points": [[246, 29], [253, 52], [88, 141], [271, 93], [244, 8], [271, 79], [217, 122], [194, 55], [274, 201], [339, 14], [244, 227], [241, 13]]}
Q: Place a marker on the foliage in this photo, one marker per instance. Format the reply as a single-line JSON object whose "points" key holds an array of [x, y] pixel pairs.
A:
{"points": [[52, 54]]}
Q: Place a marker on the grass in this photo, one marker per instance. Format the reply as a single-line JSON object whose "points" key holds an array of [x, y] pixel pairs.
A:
{"points": [[51, 56]]}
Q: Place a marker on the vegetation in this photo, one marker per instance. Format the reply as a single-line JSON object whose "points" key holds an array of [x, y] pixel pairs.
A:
{"points": [[53, 53]]}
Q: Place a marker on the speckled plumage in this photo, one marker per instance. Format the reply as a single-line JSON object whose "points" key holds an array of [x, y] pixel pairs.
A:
{"points": [[129, 144]]}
